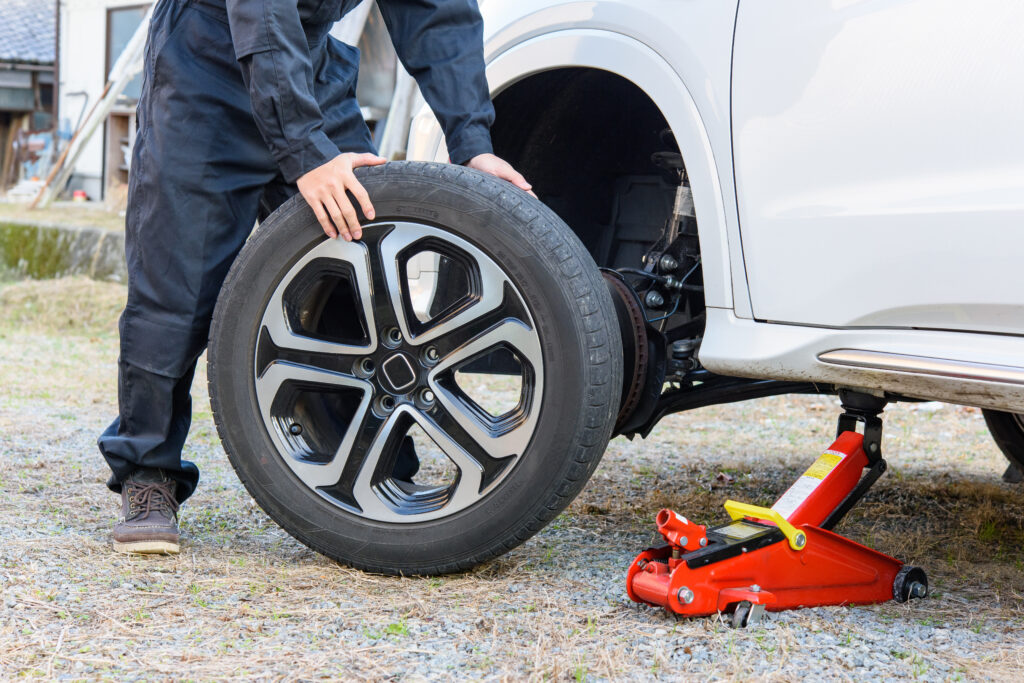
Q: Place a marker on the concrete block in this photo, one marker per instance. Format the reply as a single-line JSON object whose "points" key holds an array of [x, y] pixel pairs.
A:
{"points": [[47, 251]]}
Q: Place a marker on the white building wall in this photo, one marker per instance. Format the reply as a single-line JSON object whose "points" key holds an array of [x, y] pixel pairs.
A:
{"points": [[82, 55]]}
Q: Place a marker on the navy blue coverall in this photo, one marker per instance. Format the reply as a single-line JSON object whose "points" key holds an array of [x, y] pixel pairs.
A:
{"points": [[239, 99]]}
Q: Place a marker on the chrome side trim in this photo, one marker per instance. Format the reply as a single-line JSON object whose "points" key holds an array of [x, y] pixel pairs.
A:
{"points": [[923, 365]]}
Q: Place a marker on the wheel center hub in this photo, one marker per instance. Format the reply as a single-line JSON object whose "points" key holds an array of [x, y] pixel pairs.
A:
{"points": [[398, 373]]}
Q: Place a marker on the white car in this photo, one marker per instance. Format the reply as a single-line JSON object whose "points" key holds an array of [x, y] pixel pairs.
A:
{"points": [[856, 172], [743, 198]]}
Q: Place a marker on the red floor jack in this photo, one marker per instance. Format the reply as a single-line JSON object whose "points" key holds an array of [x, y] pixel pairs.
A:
{"points": [[786, 556]]}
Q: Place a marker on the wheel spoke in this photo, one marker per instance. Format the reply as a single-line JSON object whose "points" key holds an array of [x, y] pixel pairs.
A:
{"points": [[509, 332], [380, 297], [509, 439], [332, 362], [472, 472], [370, 488], [484, 454], [269, 384], [275, 321], [454, 339], [357, 478], [489, 289]]}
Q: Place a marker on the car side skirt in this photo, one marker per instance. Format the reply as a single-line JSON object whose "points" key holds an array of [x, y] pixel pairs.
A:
{"points": [[983, 370]]}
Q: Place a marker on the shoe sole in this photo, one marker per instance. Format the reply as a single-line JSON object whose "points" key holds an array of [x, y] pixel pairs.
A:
{"points": [[148, 547]]}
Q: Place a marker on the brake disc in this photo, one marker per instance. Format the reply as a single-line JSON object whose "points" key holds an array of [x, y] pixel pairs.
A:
{"points": [[635, 351]]}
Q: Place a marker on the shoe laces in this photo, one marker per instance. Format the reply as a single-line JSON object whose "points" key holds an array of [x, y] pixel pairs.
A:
{"points": [[143, 499]]}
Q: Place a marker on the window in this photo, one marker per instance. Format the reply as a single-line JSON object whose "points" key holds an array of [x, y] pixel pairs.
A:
{"points": [[122, 23]]}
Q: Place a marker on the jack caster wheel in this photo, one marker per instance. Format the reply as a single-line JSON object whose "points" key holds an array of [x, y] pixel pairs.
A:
{"points": [[746, 614], [428, 397], [910, 582]]}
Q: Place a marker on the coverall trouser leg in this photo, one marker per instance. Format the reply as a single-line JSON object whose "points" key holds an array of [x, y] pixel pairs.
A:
{"points": [[199, 169]]}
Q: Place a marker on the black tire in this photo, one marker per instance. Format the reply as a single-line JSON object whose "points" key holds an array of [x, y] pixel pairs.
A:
{"points": [[1007, 430], [572, 315]]}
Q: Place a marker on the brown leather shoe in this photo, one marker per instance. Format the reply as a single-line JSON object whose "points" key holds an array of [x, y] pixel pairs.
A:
{"points": [[149, 515]]}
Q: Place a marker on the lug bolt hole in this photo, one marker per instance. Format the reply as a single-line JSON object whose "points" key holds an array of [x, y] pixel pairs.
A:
{"points": [[431, 355], [295, 429], [427, 397], [387, 404], [392, 336], [365, 367]]}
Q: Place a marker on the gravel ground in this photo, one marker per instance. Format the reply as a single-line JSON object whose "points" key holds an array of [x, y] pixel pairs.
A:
{"points": [[244, 600]]}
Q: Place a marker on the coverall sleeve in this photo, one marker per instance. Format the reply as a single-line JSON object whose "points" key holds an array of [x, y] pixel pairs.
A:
{"points": [[271, 48], [440, 43]]}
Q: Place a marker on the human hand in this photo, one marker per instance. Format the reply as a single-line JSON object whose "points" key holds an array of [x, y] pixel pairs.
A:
{"points": [[499, 168], [325, 187]]}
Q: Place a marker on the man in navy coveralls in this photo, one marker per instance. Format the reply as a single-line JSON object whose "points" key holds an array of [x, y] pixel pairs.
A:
{"points": [[244, 103]]}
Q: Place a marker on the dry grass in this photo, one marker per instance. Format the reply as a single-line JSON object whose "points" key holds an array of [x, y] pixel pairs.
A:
{"points": [[72, 306], [244, 600]]}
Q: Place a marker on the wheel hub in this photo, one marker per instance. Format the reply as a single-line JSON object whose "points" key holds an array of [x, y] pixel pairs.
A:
{"points": [[398, 374], [353, 359]]}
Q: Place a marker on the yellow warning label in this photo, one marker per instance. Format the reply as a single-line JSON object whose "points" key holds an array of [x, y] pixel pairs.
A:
{"points": [[825, 463]]}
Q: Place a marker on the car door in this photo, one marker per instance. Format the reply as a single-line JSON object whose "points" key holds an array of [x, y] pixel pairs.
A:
{"points": [[879, 160]]}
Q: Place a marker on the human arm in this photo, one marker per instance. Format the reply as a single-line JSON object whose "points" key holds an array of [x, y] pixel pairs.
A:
{"points": [[271, 48], [440, 43]]}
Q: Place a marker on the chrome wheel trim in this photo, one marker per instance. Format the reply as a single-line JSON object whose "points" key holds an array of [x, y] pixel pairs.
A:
{"points": [[482, 448]]}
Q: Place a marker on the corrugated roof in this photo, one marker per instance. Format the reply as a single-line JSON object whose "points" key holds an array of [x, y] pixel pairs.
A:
{"points": [[27, 33]]}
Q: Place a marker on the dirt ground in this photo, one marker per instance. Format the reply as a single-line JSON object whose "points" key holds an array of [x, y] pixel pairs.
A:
{"points": [[243, 600]]}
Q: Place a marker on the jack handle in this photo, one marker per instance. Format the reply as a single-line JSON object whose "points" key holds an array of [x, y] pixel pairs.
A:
{"points": [[797, 539]]}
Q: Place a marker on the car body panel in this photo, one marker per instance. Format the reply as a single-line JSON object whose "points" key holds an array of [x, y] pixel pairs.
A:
{"points": [[880, 162]]}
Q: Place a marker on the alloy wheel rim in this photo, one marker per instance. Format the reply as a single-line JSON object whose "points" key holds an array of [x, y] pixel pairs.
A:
{"points": [[342, 379]]}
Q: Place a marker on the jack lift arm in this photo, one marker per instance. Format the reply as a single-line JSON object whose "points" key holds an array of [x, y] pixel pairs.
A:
{"points": [[786, 556]]}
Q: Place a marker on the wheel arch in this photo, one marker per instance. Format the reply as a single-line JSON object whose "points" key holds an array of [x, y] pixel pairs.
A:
{"points": [[625, 57]]}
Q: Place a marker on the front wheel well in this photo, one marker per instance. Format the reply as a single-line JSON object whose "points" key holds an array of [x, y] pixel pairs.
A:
{"points": [[584, 138], [600, 153]]}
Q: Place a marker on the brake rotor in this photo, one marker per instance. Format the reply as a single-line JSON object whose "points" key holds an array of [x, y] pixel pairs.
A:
{"points": [[635, 352]]}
